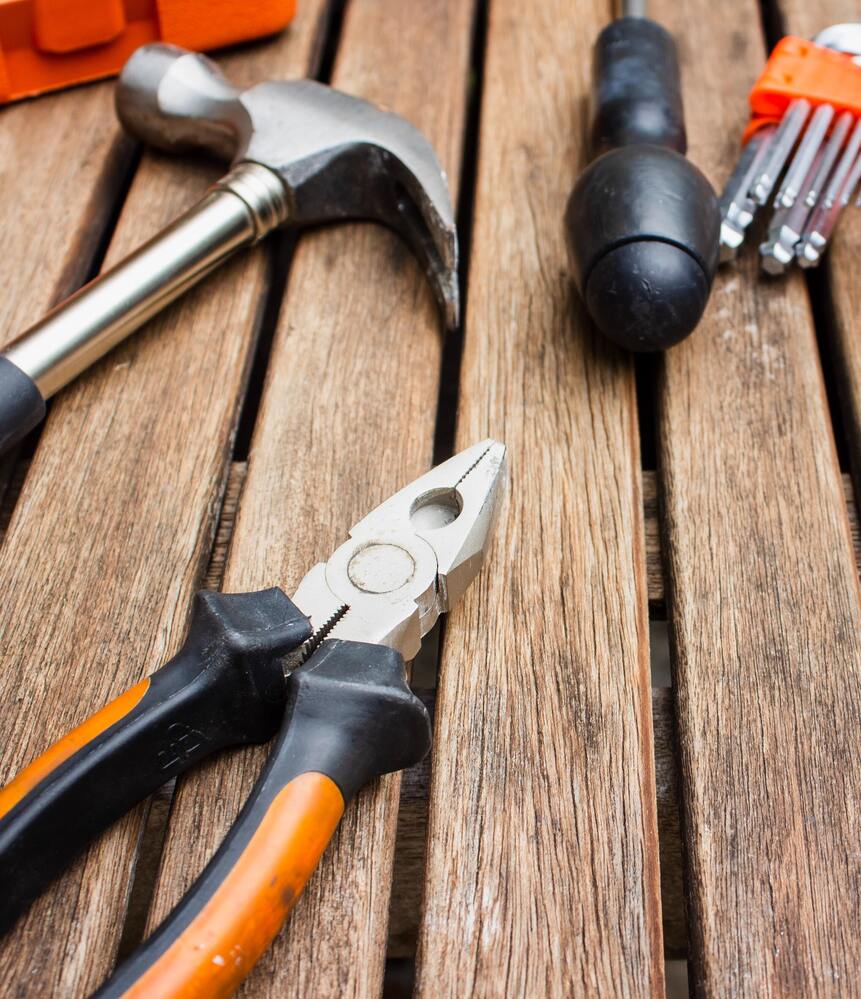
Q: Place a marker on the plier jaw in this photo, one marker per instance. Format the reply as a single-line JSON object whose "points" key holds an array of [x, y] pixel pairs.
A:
{"points": [[410, 559]]}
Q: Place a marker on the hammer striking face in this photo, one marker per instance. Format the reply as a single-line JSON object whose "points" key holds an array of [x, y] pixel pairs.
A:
{"points": [[301, 153]]}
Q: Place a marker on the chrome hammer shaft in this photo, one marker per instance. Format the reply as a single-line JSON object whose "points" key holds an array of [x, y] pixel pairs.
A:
{"points": [[241, 209]]}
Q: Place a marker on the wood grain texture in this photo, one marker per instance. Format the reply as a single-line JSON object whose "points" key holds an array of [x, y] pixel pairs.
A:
{"points": [[840, 268], [764, 600], [655, 570], [111, 534], [412, 829], [347, 417], [63, 168], [542, 873], [63, 165]]}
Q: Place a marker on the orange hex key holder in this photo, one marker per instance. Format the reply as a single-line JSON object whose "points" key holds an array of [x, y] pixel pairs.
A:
{"points": [[345, 714], [804, 132], [48, 44]]}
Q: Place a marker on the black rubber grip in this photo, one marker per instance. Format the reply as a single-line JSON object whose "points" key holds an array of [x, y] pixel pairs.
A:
{"points": [[350, 717], [637, 94], [225, 687], [642, 222], [21, 404], [643, 229]]}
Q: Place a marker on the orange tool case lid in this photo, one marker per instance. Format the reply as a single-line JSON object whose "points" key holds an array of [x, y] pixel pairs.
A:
{"points": [[46, 44]]}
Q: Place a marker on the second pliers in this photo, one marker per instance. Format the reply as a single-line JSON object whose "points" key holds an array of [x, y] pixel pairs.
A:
{"points": [[345, 711]]}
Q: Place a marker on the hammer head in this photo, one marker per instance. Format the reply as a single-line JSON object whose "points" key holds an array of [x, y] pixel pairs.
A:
{"points": [[339, 157]]}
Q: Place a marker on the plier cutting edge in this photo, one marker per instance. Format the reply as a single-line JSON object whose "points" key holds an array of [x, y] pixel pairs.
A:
{"points": [[345, 713]]}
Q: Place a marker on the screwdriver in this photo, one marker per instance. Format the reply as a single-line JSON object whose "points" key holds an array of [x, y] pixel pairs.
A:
{"points": [[642, 221]]}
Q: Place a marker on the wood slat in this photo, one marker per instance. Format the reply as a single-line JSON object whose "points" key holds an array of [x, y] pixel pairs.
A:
{"points": [[63, 168], [764, 606], [111, 535], [412, 829], [840, 276], [347, 417], [542, 871]]}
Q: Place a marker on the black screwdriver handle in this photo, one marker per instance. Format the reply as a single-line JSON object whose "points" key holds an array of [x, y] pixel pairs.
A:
{"points": [[350, 717], [224, 687], [642, 221], [21, 404], [636, 88]]}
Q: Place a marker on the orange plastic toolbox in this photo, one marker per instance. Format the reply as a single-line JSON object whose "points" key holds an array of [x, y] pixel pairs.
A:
{"points": [[46, 44]]}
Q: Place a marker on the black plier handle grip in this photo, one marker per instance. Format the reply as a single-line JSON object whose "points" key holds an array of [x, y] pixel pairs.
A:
{"points": [[350, 717], [225, 687]]}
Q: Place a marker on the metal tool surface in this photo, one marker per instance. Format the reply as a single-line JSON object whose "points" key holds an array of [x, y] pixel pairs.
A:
{"points": [[301, 154]]}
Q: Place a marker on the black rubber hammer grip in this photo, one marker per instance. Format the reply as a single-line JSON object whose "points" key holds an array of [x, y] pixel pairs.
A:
{"points": [[642, 221], [21, 404]]}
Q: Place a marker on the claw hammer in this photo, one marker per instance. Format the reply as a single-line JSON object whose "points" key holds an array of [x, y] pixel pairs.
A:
{"points": [[302, 153]]}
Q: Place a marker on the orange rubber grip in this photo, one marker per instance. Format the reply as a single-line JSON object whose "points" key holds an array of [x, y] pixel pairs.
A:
{"points": [[800, 68], [221, 945], [66, 747], [47, 44]]}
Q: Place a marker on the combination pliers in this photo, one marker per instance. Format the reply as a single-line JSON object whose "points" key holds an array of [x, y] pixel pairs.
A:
{"points": [[326, 667]]}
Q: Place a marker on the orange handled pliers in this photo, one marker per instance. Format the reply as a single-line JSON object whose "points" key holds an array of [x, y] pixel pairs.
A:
{"points": [[345, 712]]}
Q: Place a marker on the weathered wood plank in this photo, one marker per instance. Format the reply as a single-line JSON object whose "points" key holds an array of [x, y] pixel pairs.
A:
{"points": [[841, 266], [412, 829], [347, 417], [764, 601], [111, 535], [63, 164], [542, 871], [63, 168]]}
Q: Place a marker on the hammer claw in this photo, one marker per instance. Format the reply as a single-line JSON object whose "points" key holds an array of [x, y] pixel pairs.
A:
{"points": [[338, 156]]}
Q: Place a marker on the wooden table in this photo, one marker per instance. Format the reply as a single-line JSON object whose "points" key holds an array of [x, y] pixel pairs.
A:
{"points": [[238, 436]]}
